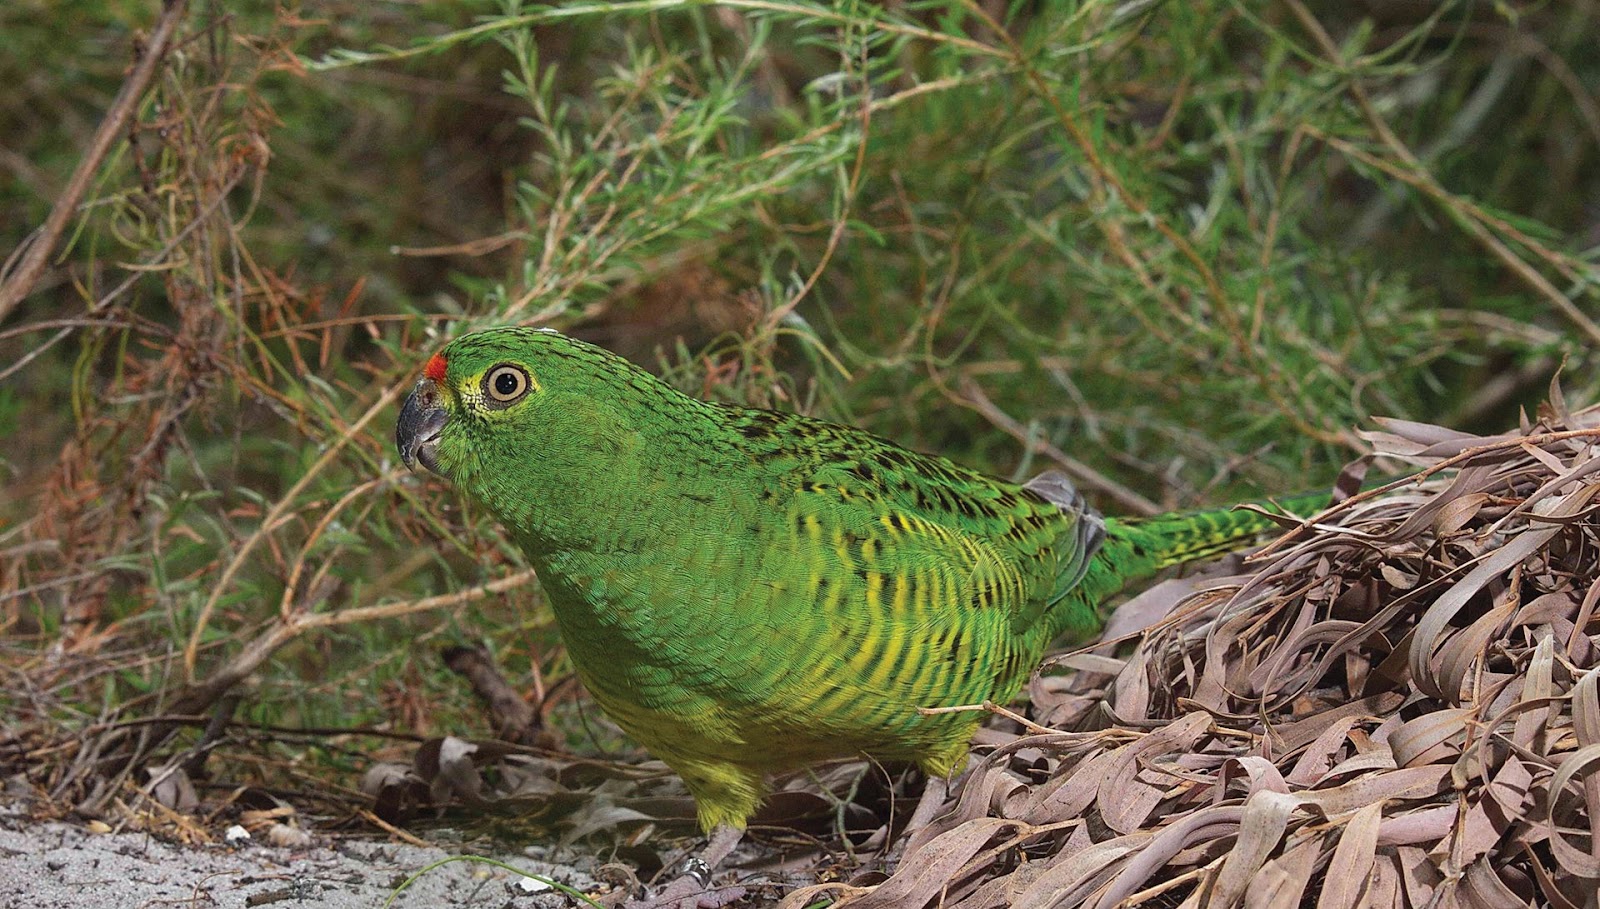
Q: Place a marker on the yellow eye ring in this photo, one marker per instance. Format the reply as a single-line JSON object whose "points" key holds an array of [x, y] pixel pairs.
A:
{"points": [[506, 384]]}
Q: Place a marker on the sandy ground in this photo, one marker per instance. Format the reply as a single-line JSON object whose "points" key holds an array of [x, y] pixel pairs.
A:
{"points": [[55, 866]]}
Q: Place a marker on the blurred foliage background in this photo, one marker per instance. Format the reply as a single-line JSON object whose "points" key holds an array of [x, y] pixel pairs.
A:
{"points": [[1183, 249]]}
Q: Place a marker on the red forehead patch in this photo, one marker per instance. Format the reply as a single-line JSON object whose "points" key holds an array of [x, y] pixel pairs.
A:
{"points": [[435, 368]]}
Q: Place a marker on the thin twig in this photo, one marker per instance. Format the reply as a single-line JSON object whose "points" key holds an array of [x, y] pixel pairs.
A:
{"points": [[1419, 177], [972, 396], [20, 283], [270, 523]]}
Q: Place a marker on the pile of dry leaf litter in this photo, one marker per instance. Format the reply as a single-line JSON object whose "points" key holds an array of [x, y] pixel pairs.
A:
{"points": [[1395, 706]]}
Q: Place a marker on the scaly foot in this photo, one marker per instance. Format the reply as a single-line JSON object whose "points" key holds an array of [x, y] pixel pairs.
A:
{"points": [[692, 889]]}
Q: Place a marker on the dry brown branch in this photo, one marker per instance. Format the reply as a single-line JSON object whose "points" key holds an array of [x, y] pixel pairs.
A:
{"points": [[513, 718], [19, 283], [288, 627], [200, 697], [270, 522], [973, 396]]}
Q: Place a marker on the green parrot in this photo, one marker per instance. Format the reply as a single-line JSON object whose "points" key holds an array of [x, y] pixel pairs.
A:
{"points": [[746, 591]]}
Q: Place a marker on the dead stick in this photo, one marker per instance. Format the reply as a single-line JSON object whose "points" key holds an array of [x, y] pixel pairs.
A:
{"points": [[21, 282], [513, 718]]}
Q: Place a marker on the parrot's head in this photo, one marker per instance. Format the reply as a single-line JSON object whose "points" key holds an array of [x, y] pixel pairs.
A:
{"points": [[530, 420]]}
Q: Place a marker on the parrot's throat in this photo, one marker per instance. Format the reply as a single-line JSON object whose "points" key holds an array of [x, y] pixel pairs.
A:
{"points": [[568, 522], [599, 497]]}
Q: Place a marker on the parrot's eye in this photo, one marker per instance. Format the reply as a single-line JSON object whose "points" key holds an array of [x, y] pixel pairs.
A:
{"points": [[505, 384]]}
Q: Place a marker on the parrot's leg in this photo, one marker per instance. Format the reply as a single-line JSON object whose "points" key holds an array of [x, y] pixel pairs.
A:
{"points": [[725, 796], [692, 889]]}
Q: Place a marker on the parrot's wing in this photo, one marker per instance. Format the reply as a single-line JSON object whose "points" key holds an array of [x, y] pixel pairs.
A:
{"points": [[954, 566], [927, 608]]}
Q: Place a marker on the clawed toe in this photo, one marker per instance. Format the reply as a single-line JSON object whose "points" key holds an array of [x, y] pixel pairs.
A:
{"points": [[691, 890]]}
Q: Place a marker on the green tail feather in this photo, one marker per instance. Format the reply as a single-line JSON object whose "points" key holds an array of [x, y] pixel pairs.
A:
{"points": [[1172, 539], [1138, 548]]}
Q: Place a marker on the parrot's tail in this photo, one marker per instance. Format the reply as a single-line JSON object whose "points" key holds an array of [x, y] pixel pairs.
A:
{"points": [[1172, 539], [1137, 548], [1110, 553]]}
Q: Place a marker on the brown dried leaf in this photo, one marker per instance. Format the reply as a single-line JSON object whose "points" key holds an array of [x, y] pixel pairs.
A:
{"points": [[1125, 800], [1322, 753], [1584, 864], [1349, 871], [171, 787], [1142, 868], [1283, 880], [1261, 827], [917, 882], [1430, 737], [1431, 627], [1068, 880]]}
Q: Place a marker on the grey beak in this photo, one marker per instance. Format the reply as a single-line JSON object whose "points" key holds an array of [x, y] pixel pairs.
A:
{"points": [[422, 419]]}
